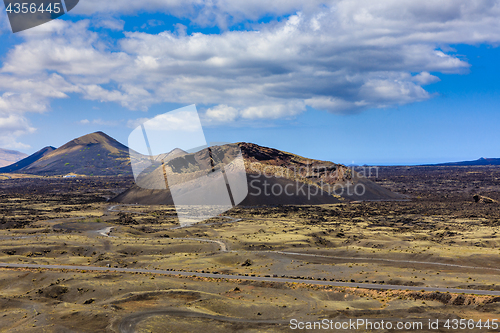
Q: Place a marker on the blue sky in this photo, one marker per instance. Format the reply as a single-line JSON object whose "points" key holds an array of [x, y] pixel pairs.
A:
{"points": [[347, 81]]}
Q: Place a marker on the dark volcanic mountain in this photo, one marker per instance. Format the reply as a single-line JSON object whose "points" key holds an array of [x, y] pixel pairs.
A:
{"points": [[27, 161], [95, 154], [269, 168], [481, 161], [7, 157]]}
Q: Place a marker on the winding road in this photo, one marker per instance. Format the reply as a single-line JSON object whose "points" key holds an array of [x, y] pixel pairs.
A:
{"points": [[252, 278], [128, 324], [224, 248]]}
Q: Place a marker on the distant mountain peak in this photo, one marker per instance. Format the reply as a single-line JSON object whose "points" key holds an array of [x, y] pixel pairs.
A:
{"points": [[264, 167], [8, 157], [481, 161], [254, 153], [92, 154], [96, 138], [93, 138], [27, 160], [177, 151]]}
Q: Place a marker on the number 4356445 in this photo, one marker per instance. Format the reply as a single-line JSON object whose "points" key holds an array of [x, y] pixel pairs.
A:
{"points": [[33, 8], [463, 324]]}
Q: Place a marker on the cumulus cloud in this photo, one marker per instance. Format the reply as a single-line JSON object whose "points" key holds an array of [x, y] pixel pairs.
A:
{"points": [[133, 123], [12, 127], [222, 13], [109, 23], [12, 122], [338, 56], [153, 23], [425, 78], [275, 111], [222, 113], [101, 122]]}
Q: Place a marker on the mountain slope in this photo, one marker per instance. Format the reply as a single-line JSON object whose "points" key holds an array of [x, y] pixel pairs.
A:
{"points": [[481, 161], [28, 160], [93, 154], [308, 181], [168, 156], [7, 157]]}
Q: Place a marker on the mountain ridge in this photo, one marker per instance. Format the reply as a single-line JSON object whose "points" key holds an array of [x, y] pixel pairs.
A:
{"points": [[8, 157], [98, 154], [94, 154], [480, 161], [266, 167], [27, 160]]}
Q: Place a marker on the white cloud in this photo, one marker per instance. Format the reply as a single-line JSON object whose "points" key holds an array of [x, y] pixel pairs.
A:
{"points": [[425, 78], [203, 12], [381, 91], [221, 113], [41, 86], [101, 122], [185, 121], [342, 57], [12, 127], [153, 23], [334, 104], [147, 63], [109, 23], [21, 103], [13, 123], [178, 120], [133, 123], [275, 111]]}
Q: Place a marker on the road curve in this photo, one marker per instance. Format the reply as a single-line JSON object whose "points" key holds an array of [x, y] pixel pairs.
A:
{"points": [[128, 324], [256, 278], [223, 246]]}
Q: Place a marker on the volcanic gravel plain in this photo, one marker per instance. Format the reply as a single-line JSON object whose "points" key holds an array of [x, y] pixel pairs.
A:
{"points": [[75, 262]]}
